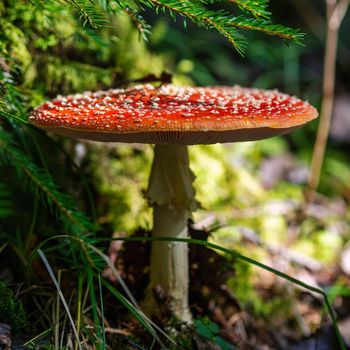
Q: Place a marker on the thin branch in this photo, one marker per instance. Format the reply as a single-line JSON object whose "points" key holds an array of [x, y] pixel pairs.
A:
{"points": [[341, 10], [335, 13]]}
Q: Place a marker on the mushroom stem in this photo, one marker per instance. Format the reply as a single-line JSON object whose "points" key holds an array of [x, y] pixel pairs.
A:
{"points": [[171, 194]]}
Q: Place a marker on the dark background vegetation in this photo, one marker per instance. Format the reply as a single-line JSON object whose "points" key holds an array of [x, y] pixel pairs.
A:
{"points": [[252, 194]]}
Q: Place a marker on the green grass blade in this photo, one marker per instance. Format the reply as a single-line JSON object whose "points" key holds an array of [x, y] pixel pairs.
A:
{"points": [[63, 300], [102, 313], [79, 303], [31, 342], [148, 324], [128, 293], [130, 307], [90, 281]]}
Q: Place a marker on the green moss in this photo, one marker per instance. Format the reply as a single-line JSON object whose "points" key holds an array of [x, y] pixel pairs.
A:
{"points": [[11, 309], [120, 175], [273, 229], [323, 245], [16, 44], [242, 287]]}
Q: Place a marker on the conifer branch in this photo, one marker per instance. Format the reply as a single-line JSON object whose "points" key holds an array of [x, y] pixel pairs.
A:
{"points": [[93, 14], [62, 205], [200, 15], [225, 23], [254, 7], [89, 13], [143, 27], [268, 28]]}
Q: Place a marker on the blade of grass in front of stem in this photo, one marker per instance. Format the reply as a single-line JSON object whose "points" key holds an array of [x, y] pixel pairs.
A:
{"points": [[102, 313], [115, 273], [128, 293], [63, 300], [79, 303], [56, 317], [31, 342], [139, 317], [90, 281]]}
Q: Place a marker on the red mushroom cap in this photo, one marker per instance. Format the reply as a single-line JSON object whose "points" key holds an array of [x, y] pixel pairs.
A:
{"points": [[174, 115]]}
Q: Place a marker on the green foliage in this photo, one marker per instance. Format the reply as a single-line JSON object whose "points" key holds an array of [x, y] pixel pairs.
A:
{"points": [[267, 27], [224, 22], [11, 309], [91, 14], [209, 330], [253, 7], [337, 290], [95, 14], [15, 153], [42, 185], [6, 203]]}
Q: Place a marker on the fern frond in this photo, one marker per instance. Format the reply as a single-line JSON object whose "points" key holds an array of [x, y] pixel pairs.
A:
{"points": [[43, 186]]}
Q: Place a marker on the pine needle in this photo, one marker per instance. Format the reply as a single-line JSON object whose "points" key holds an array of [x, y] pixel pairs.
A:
{"points": [[254, 7]]}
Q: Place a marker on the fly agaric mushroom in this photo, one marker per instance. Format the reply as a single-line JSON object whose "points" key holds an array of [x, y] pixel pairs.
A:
{"points": [[173, 117]]}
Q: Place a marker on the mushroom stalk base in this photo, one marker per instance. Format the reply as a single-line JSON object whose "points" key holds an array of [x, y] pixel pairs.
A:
{"points": [[171, 194]]}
